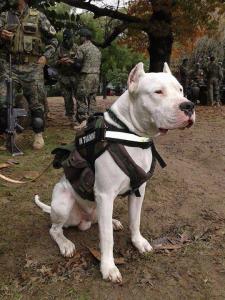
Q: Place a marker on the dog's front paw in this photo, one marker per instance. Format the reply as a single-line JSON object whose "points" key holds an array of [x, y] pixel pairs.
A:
{"points": [[117, 225], [142, 244], [111, 272], [67, 248]]}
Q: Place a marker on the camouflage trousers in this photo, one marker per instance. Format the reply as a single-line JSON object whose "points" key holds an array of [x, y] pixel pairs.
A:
{"points": [[28, 81], [86, 92], [213, 91], [68, 86]]}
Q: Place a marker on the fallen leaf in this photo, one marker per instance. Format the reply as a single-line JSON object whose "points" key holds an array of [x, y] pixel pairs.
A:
{"points": [[13, 162], [4, 165], [160, 241], [73, 261], [31, 175], [185, 237], [97, 255], [167, 247]]}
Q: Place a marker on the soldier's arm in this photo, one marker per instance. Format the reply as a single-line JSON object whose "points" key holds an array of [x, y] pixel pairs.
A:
{"points": [[2, 21], [79, 58], [49, 36], [4, 34]]}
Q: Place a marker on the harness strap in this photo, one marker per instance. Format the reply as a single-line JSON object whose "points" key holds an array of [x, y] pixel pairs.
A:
{"points": [[136, 174], [159, 158], [114, 117], [128, 139], [122, 158]]}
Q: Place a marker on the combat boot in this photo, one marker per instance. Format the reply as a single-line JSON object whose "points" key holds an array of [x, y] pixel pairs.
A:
{"points": [[38, 141]]}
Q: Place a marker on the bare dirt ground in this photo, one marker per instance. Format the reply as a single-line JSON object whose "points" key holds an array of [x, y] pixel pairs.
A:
{"points": [[184, 210]]}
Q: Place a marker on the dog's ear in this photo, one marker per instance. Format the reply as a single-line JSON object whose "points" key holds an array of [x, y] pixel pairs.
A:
{"points": [[166, 68], [134, 77]]}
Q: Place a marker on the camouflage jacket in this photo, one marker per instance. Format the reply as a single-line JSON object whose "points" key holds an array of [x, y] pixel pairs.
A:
{"points": [[214, 71], [65, 69], [90, 56], [33, 33]]}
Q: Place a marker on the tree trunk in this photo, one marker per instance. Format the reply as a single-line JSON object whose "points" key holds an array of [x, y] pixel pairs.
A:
{"points": [[160, 49], [160, 34]]}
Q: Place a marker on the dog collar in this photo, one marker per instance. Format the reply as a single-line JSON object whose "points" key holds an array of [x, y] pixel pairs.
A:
{"points": [[124, 135], [114, 117]]}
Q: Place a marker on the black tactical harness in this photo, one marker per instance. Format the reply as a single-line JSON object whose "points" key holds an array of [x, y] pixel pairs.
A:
{"points": [[78, 158]]}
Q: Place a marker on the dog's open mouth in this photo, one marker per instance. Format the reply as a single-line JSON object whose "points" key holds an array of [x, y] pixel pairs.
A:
{"points": [[163, 130], [187, 125], [190, 123]]}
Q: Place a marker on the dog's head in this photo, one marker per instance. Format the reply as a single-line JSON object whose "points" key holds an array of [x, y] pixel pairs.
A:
{"points": [[157, 101]]}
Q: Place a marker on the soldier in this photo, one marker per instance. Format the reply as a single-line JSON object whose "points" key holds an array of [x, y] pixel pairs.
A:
{"points": [[88, 58], [67, 73], [198, 74], [214, 75], [28, 36], [184, 75]]}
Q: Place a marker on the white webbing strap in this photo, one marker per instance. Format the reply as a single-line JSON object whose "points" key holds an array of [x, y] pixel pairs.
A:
{"points": [[126, 137]]}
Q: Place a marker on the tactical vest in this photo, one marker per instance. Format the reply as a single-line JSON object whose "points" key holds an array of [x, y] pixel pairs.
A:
{"points": [[77, 159], [27, 39]]}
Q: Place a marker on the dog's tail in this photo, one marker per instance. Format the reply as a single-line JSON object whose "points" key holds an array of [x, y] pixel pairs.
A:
{"points": [[40, 204]]}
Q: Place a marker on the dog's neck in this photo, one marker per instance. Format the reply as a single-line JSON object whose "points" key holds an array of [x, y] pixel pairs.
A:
{"points": [[125, 111], [122, 108]]}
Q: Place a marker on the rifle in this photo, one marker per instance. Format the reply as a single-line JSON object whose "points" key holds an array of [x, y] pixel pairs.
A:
{"points": [[12, 115]]}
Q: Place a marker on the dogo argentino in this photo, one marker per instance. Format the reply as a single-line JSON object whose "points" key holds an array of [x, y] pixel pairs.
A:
{"points": [[153, 104]]}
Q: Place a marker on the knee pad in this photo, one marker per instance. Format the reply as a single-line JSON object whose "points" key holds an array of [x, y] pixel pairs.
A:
{"points": [[38, 123]]}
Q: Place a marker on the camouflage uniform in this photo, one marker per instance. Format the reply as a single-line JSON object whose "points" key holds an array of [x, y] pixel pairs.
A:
{"points": [[88, 82], [214, 75], [67, 78], [198, 74], [184, 76], [33, 37]]}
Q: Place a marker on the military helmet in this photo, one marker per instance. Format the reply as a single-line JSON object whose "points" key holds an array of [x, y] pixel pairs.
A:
{"points": [[67, 34], [85, 33]]}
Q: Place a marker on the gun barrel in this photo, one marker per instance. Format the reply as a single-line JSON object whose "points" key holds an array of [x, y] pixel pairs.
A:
{"points": [[12, 114]]}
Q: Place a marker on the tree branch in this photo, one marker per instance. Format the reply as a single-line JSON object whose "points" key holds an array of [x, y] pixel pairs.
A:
{"points": [[100, 12], [114, 34]]}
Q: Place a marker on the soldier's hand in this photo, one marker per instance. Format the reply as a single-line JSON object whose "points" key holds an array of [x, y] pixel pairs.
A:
{"points": [[65, 60], [42, 60], [6, 35], [69, 61]]}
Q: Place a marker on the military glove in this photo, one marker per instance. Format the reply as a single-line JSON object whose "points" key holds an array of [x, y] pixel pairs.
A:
{"points": [[6, 35], [42, 60]]}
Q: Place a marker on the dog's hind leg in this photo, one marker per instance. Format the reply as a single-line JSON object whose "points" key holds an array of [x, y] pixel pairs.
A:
{"points": [[135, 204], [62, 204]]}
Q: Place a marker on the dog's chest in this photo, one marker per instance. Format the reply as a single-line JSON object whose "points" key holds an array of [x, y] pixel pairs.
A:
{"points": [[142, 157]]}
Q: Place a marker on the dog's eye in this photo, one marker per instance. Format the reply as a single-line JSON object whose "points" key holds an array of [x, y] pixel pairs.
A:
{"points": [[159, 92], [181, 90]]}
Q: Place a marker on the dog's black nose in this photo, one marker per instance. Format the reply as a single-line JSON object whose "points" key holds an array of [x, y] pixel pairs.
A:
{"points": [[187, 107]]}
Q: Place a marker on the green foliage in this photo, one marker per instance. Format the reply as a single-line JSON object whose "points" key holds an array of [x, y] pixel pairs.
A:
{"points": [[117, 59]]}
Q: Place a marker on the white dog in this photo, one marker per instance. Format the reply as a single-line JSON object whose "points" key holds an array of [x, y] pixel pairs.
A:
{"points": [[153, 103]]}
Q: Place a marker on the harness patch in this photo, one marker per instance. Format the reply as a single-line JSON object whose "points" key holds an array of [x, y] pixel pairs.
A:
{"points": [[87, 139]]}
